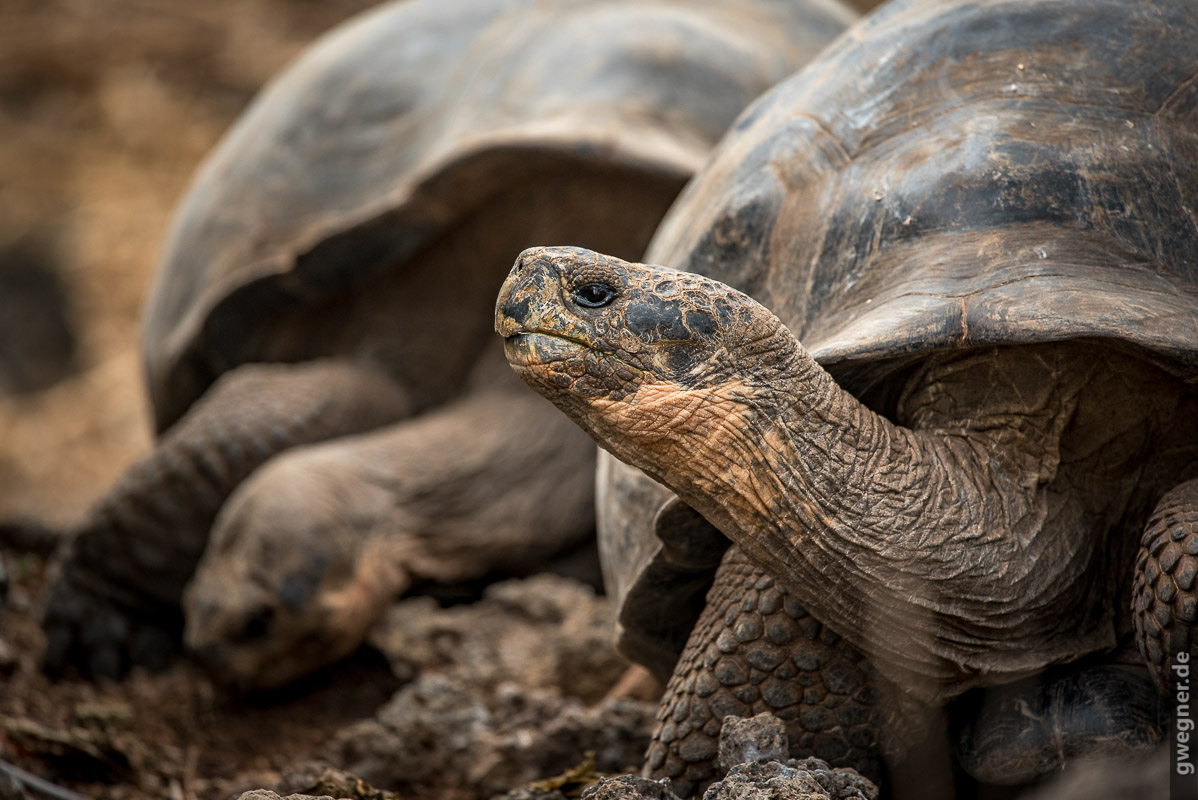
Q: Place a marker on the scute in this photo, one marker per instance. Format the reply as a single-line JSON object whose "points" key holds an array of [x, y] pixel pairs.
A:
{"points": [[366, 150]]}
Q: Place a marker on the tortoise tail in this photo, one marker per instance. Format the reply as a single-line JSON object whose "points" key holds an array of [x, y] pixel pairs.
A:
{"points": [[114, 595], [1165, 598]]}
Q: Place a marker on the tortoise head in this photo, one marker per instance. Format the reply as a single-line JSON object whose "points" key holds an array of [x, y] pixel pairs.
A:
{"points": [[601, 337], [287, 584], [261, 624]]}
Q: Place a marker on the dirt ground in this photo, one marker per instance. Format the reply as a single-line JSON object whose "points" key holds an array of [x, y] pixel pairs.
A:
{"points": [[456, 703], [168, 735]]}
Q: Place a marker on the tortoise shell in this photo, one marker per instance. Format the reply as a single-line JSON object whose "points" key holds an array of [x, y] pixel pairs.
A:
{"points": [[946, 175], [400, 123]]}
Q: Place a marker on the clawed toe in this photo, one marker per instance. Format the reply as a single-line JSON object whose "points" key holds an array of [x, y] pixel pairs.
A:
{"points": [[99, 639]]}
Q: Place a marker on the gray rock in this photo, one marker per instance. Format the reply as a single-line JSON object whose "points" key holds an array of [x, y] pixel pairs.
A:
{"points": [[532, 793], [320, 780], [746, 740], [797, 779], [837, 781], [543, 632], [500, 692], [768, 780], [430, 728], [441, 731], [630, 787]]}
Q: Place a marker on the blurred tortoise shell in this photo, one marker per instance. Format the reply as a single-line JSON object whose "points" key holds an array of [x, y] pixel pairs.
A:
{"points": [[405, 121]]}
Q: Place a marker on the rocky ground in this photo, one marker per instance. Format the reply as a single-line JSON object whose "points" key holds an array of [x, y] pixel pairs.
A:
{"points": [[463, 702]]}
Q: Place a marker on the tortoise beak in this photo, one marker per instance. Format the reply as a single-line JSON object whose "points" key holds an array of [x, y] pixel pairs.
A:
{"points": [[528, 289], [505, 325], [508, 311], [530, 317]]}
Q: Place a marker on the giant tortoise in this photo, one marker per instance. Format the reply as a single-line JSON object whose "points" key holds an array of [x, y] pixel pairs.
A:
{"points": [[314, 340], [979, 218]]}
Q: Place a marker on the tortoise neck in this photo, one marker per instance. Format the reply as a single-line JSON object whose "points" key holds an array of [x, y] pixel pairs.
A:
{"points": [[915, 544], [791, 448]]}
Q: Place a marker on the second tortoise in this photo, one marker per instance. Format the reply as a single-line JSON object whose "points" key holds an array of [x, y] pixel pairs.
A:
{"points": [[317, 343]]}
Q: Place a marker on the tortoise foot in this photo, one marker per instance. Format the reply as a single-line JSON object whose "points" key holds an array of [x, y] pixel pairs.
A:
{"points": [[756, 649], [101, 637], [1032, 728], [1165, 597]]}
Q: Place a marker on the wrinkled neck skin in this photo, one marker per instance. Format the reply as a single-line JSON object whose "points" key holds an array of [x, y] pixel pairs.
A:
{"points": [[919, 546]]}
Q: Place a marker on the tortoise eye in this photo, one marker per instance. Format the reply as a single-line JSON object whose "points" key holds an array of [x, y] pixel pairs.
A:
{"points": [[594, 295]]}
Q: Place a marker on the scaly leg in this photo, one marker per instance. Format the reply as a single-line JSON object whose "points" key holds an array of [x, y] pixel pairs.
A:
{"points": [[313, 547], [114, 596], [1165, 598], [753, 649]]}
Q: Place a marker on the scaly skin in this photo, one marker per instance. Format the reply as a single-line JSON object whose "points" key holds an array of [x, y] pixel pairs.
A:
{"points": [[313, 547], [114, 598], [1164, 602], [754, 649], [971, 548]]}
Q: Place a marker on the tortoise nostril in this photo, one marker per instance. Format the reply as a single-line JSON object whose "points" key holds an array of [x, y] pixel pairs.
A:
{"points": [[522, 261]]}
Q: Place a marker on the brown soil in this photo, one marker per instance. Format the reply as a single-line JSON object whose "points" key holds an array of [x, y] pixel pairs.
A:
{"points": [[168, 735], [456, 703]]}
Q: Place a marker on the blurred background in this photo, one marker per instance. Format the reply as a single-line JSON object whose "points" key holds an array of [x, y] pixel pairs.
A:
{"points": [[106, 108]]}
